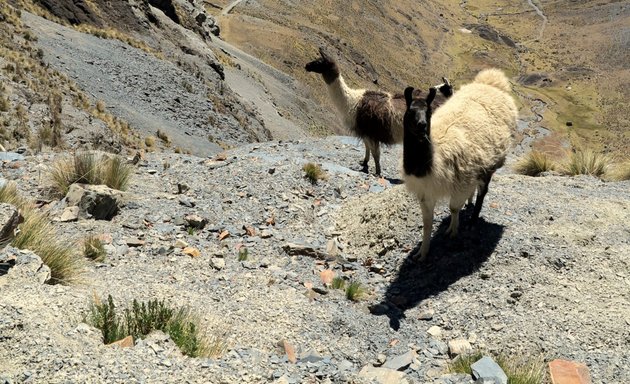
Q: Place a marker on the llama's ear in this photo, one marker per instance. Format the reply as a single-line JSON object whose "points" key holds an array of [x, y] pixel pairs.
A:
{"points": [[431, 96], [408, 96]]}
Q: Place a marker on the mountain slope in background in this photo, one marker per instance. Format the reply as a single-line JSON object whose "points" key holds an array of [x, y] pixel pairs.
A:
{"points": [[568, 60]]}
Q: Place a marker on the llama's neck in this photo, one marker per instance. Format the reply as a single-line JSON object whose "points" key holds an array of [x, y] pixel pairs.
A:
{"points": [[417, 152], [344, 97]]}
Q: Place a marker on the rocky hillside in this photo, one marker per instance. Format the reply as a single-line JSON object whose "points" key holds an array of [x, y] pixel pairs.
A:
{"points": [[215, 121], [545, 274]]}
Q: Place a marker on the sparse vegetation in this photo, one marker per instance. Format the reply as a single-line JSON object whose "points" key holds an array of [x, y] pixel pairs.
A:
{"points": [[100, 106], [142, 318], [518, 370], [355, 291], [88, 168], [586, 162], [243, 254], [38, 235], [93, 248], [4, 104], [163, 136], [149, 141], [338, 283], [313, 172], [534, 163], [619, 172]]}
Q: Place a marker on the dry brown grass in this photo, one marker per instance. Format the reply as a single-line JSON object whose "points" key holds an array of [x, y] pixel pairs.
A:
{"points": [[90, 168], [38, 235], [534, 163], [586, 162]]}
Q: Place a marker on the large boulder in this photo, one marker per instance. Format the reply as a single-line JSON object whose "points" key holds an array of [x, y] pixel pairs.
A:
{"points": [[95, 201]]}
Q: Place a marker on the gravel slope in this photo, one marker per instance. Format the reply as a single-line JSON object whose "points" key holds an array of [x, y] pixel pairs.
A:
{"points": [[545, 273], [148, 92]]}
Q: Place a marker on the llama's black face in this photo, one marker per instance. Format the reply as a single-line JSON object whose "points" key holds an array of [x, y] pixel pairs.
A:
{"points": [[324, 65], [418, 114]]}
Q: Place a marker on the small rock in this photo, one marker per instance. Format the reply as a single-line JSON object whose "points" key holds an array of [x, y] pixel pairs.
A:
{"points": [[195, 221], [265, 234], [400, 362], [223, 235], [426, 314], [127, 342], [435, 331], [217, 263], [192, 252], [134, 242], [69, 214], [180, 243], [187, 202], [497, 327], [458, 347], [305, 250], [182, 188], [310, 357], [97, 201], [487, 369], [331, 248], [569, 372], [289, 350]]}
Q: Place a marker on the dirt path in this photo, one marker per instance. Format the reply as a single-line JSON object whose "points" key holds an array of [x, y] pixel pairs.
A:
{"points": [[230, 7], [268, 89], [540, 13]]}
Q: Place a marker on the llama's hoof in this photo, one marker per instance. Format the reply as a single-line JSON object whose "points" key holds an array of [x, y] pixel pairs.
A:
{"points": [[420, 254]]}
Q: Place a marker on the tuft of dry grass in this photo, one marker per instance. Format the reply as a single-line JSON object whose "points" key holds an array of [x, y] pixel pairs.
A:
{"points": [[618, 172], [355, 291], [38, 235], [93, 248], [313, 172], [88, 168], [149, 141], [534, 163], [163, 136], [586, 162]]}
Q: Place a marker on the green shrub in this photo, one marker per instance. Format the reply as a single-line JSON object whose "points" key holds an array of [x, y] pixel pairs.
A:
{"points": [[88, 168], [313, 172], [93, 248], [38, 235], [586, 162], [354, 291], [519, 370], [243, 254], [534, 163], [140, 319], [338, 283]]}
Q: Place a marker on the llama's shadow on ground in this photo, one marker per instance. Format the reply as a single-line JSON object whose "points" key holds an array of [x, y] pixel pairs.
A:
{"points": [[448, 261]]}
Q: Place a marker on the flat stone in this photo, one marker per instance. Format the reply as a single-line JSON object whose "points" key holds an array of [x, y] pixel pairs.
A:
{"points": [[289, 350], [382, 375], [179, 243], [191, 251], [400, 362], [487, 369], [134, 242], [304, 250], [435, 331], [69, 214], [127, 342], [196, 221], [569, 372]]}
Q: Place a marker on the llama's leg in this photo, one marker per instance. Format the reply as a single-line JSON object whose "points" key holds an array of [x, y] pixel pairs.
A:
{"points": [[427, 226], [376, 153], [455, 205], [366, 159], [480, 196]]}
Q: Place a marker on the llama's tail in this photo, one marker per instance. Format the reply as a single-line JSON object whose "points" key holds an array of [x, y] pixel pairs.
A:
{"points": [[494, 77]]}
